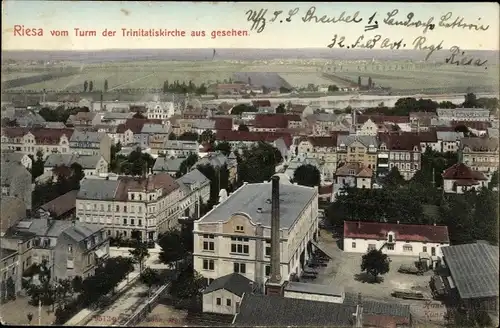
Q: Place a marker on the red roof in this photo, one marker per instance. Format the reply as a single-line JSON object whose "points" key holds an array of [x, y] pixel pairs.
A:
{"points": [[50, 136], [403, 232], [379, 119], [135, 125], [426, 136], [14, 132], [461, 171], [261, 103], [400, 141], [152, 182], [223, 123], [278, 121], [253, 136], [476, 125]]}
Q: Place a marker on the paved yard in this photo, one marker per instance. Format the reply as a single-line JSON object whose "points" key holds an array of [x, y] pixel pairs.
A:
{"points": [[164, 315], [345, 270], [14, 313]]}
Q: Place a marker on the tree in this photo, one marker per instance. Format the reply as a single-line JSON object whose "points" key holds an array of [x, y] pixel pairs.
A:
{"points": [[191, 136], [242, 108], [359, 81], [258, 163], [281, 109], [105, 85], [470, 101], [76, 284], [91, 86], [85, 86], [394, 178], [207, 136], [188, 284], [139, 254], [10, 289], [171, 253], [224, 147], [172, 136], [139, 115], [165, 87], [370, 82], [375, 263], [494, 181], [37, 166], [150, 278], [187, 164], [243, 127], [307, 175]]}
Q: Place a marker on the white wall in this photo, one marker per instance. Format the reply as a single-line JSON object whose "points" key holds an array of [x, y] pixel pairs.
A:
{"points": [[417, 247], [210, 302], [315, 297]]}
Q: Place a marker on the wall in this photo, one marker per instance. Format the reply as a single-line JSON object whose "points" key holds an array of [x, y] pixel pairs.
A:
{"points": [[417, 247], [210, 302], [315, 297]]}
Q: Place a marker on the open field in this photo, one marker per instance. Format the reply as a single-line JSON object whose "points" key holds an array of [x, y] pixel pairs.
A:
{"points": [[152, 74]]}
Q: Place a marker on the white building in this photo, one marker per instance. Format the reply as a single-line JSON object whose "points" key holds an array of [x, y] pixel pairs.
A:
{"points": [[460, 178], [463, 114], [235, 236], [449, 140], [147, 205], [179, 148], [395, 239], [160, 110], [314, 292], [224, 294]]}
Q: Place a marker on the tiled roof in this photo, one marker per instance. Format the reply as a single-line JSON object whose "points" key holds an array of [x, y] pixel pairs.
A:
{"points": [[357, 168], [400, 141], [403, 232], [168, 164], [234, 283], [157, 181], [330, 141], [50, 136], [253, 136], [15, 132], [476, 125], [223, 123], [135, 125], [366, 141], [278, 121], [426, 136], [461, 171], [480, 144], [61, 204]]}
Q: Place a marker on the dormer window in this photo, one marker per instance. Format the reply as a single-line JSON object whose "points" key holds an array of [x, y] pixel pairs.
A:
{"points": [[390, 237]]}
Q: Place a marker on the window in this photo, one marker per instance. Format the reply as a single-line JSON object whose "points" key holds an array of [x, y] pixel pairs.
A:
{"points": [[228, 302], [118, 208], [109, 207], [208, 265], [239, 245], [208, 245], [240, 268], [268, 270], [132, 196], [219, 301], [353, 244], [132, 221], [125, 209], [239, 228], [424, 249], [407, 248], [140, 222], [371, 246], [268, 248], [124, 221], [390, 247]]}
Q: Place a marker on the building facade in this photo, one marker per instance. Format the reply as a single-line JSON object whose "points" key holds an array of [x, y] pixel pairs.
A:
{"points": [[480, 154], [357, 149]]}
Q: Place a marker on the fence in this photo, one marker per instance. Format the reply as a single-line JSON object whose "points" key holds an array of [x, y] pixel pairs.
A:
{"points": [[146, 309]]}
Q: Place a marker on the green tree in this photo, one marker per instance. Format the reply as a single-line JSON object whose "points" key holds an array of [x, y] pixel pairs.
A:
{"points": [[258, 163], [188, 284], [85, 86], [139, 115], [243, 127], [375, 263], [139, 254], [394, 178], [242, 108], [150, 278], [190, 136], [105, 85], [165, 87], [307, 175], [91, 86], [281, 109], [359, 81], [470, 101], [187, 164], [37, 166], [207, 136], [171, 253], [224, 147]]}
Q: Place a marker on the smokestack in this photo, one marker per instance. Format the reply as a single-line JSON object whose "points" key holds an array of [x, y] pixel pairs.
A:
{"points": [[102, 98], [275, 231]]}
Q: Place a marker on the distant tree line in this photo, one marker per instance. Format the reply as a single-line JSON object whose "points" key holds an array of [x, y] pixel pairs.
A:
{"points": [[178, 87], [60, 113]]}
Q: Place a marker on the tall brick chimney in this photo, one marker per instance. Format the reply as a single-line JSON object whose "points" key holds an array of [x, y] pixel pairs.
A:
{"points": [[273, 286]]}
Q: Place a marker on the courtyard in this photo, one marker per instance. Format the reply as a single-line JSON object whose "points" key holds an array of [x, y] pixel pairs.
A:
{"points": [[345, 270], [15, 313]]}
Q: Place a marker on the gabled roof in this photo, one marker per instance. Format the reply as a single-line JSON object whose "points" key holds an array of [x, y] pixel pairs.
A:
{"points": [[476, 125], [461, 171], [474, 269], [88, 136], [223, 123], [400, 141], [403, 232], [11, 170], [135, 125], [234, 283], [168, 164], [276, 121], [348, 140], [379, 119], [61, 204], [194, 176], [330, 141], [354, 169], [253, 136], [480, 144]]}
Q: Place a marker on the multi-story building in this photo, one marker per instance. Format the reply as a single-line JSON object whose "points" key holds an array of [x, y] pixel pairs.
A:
{"points": [[463, 114], [217, 160], [449, 141], [180, 148], [235, 236], [154, 135], [91, 143], [130, 132], [160, 110], [196, 189], [241, 139], [371, 125], [300, 160], [357, 149], [480, 154], [122, 205], [324, 124], [9, 269], [275, 122], [421, 121], [83, 119], [170, 165], [322, 148], [193, 126], [34, 140], [115, 118], [400, 150], [428, 139], [69, 248], [16, 182]]}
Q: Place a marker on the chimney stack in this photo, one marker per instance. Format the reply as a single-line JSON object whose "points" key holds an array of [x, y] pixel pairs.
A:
{"points": [[274, 284]]}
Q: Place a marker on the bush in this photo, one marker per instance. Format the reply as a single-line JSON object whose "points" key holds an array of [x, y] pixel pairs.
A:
{"points": [[63, 314]]}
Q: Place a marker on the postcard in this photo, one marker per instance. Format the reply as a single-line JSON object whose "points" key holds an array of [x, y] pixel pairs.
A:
{"points": [[249, 164]]}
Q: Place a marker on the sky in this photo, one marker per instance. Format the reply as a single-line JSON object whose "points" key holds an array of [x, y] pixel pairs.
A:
{"points": [[190, 16]]}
